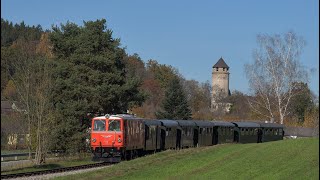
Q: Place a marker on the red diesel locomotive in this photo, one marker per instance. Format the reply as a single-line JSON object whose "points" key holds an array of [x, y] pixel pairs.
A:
{"points": [[117, 136]]}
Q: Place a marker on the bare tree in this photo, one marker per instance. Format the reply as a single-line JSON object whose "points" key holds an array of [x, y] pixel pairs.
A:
{"points": [[32, 80], [273, 74]]}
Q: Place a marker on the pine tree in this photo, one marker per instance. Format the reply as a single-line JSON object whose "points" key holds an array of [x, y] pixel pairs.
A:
{"points": [[90, 77], [175, 105]]}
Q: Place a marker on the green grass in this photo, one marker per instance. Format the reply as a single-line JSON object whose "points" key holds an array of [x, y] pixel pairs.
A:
{"points": [[287, 159], [51, 165]]}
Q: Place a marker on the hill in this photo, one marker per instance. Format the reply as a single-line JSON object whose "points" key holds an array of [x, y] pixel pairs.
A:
{"points": [[287, 159]]}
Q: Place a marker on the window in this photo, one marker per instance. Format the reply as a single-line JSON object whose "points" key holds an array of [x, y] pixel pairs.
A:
{"points": [[217, 69], [114, 125], [224, 69], [99, 125]]}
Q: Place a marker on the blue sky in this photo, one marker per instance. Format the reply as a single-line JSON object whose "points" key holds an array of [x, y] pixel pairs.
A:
{"points": [[188, 35]]}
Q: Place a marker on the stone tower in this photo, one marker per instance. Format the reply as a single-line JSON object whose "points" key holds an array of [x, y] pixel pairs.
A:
{"points": [[220, 82]]}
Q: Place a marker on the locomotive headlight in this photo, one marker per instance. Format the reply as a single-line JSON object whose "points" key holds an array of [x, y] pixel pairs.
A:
{"points": [[94, 140], [119, 140]]}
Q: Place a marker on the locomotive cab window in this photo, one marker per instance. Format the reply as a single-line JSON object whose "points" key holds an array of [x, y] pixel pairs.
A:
{"points": [[114, 125], [99, 125]]}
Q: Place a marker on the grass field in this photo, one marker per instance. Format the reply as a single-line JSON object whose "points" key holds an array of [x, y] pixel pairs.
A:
{"points": [[287, 159]]}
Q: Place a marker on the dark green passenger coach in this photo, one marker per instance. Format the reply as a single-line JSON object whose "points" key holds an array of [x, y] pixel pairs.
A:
{"points": [[246, 132]]}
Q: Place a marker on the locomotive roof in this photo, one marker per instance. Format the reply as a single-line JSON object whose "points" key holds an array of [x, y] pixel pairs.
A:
{"points": [[272, 125], [246, 124], [186, 123], [152, 122], [202, 123], [222, 123], [100, 117], [169, 123]]}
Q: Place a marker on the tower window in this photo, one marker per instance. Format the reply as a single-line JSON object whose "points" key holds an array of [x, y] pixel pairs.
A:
{"points": [[217, 69], [224, 69]]}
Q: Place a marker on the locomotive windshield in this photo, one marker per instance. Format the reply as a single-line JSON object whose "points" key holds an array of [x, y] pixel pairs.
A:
{"points": [[114, 125], [99, 125]]}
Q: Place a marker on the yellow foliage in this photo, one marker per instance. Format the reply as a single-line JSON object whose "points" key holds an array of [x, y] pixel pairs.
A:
{"points": [[311, 118], [44, 46]]}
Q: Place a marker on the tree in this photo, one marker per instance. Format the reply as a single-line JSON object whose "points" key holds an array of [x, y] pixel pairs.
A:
{"points": [[239, 107], [32, 80], [273, 74], [302, 102], [155, 81], [90, 78], [198, 97], [175, 105]]}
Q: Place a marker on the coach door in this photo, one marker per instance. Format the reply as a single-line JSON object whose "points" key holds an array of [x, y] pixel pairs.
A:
{"points": [[163, 139], [195, 137], [215, 136]]}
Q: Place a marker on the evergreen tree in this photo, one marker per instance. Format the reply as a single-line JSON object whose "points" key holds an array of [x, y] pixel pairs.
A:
{"points": [[175, 105], [90, 77], [11, 33]]}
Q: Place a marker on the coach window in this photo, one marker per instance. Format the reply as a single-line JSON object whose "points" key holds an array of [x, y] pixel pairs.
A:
{"points": [[114, 125], [99, 125]]}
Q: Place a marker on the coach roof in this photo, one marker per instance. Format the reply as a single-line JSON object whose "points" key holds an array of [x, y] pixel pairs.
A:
{"points": [[222, 123], [246, 124], [169, 123], [271, 125], [186, 123], [201, 123], [152, 122]]}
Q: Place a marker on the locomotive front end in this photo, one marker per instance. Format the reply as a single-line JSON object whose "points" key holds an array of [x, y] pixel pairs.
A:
{"points": [[107, 138]]}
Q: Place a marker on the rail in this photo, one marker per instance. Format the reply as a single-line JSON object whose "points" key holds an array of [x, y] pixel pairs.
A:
{"points": [[52, 171]]}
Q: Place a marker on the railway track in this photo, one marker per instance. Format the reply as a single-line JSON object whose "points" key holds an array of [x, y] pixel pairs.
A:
{"points": [[52, 171]]}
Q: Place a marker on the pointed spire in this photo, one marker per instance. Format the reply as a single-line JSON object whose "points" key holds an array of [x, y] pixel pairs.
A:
{"points": [[221, 64]]}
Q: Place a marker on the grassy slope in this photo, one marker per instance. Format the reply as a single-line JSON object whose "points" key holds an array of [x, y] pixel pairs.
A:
{"points": [[288, 159]]}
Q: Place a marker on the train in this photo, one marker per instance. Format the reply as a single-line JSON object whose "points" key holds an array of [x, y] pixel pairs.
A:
{"points": [[124, 136]]}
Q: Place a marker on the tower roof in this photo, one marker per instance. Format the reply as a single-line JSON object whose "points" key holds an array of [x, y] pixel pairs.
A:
{"points": [[221, 64]]}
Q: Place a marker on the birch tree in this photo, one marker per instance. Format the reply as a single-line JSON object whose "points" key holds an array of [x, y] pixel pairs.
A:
{"points": [[274, 73]]}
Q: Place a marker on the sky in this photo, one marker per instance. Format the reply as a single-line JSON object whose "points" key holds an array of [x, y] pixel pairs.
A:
{"points": [[191, 36]]}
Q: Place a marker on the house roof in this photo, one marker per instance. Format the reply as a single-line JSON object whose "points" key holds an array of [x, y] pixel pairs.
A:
{"points": [[221, 64]]}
